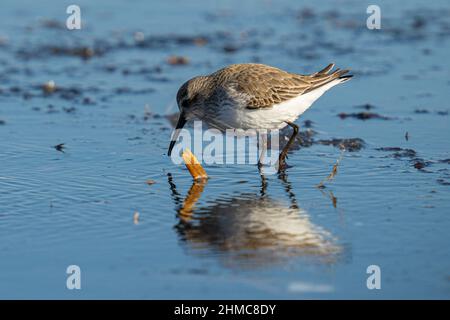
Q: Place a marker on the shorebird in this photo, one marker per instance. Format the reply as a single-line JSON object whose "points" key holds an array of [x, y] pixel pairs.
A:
{"points": [[253, 96]]}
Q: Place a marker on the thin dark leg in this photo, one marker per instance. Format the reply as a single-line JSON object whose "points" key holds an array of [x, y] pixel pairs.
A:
{"points": [[284, 152], [175, 195], [288, 188], [263, 185]]}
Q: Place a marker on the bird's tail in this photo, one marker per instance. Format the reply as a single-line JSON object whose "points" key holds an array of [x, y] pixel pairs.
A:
{"points": [[325, 76]]}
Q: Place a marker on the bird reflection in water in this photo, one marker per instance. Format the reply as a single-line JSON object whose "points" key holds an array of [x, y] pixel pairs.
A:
{"points": [[250, 230]]}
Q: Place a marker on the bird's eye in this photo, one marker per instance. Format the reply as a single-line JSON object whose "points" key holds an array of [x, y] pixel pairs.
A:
{"points": [[185, 103]]}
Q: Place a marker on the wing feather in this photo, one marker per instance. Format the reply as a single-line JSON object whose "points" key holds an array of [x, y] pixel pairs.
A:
{"points": [[264, 86]]}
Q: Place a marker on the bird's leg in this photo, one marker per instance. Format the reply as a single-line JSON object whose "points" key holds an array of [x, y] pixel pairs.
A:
{"points": [[283, 154], [263, 185], [288, 188], [262, 148]]}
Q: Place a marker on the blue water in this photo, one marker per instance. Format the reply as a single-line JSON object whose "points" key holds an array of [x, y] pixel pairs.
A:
{"points": [[243, 239]]}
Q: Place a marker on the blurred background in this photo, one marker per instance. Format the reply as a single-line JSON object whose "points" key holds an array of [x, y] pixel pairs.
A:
{"points": [[85, 121]]}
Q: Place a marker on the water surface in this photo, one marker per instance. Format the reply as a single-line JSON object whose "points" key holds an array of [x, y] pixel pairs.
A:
{"points": [[236, 236]]}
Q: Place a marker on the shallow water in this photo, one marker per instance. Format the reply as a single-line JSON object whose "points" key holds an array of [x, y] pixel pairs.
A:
{"points": [[243, 237]]}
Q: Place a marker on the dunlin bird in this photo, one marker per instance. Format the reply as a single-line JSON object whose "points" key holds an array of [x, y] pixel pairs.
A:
{"points": [[253, 96]]}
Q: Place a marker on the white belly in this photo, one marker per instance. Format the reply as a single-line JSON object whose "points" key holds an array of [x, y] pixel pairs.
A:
{"points": [[270, 118]]}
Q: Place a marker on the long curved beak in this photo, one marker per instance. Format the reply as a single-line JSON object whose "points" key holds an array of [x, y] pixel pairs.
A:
{"points": [[180, 124]]}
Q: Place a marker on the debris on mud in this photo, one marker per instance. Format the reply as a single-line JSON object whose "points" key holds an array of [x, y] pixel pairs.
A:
{"points": [[136, 218], [230, 48], [401, 153], [170, 40], [51, 24], [60, 147], [398, 152], [69, 109], [426, 111], [443, 182], [51, 90], [421, 111], [49, 87], [177, 60], [136, 71], [363, 116], [83, 52], [305, 14], [128, 90], [419, 164], [351, 144], [308, 124]]}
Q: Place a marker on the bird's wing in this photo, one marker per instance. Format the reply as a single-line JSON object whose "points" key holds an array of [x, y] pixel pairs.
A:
{"points": [[264, 86]]}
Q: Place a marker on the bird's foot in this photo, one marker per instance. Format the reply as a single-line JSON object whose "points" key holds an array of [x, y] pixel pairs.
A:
{"points": [[282, 165]]}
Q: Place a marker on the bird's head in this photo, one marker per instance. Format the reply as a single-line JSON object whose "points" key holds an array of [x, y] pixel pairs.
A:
{"points": [[190, 100], [190, 96]]}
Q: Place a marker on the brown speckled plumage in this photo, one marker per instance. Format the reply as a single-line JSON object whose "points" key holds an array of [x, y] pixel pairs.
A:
{"points": [[264, 86], [267, 85]]}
